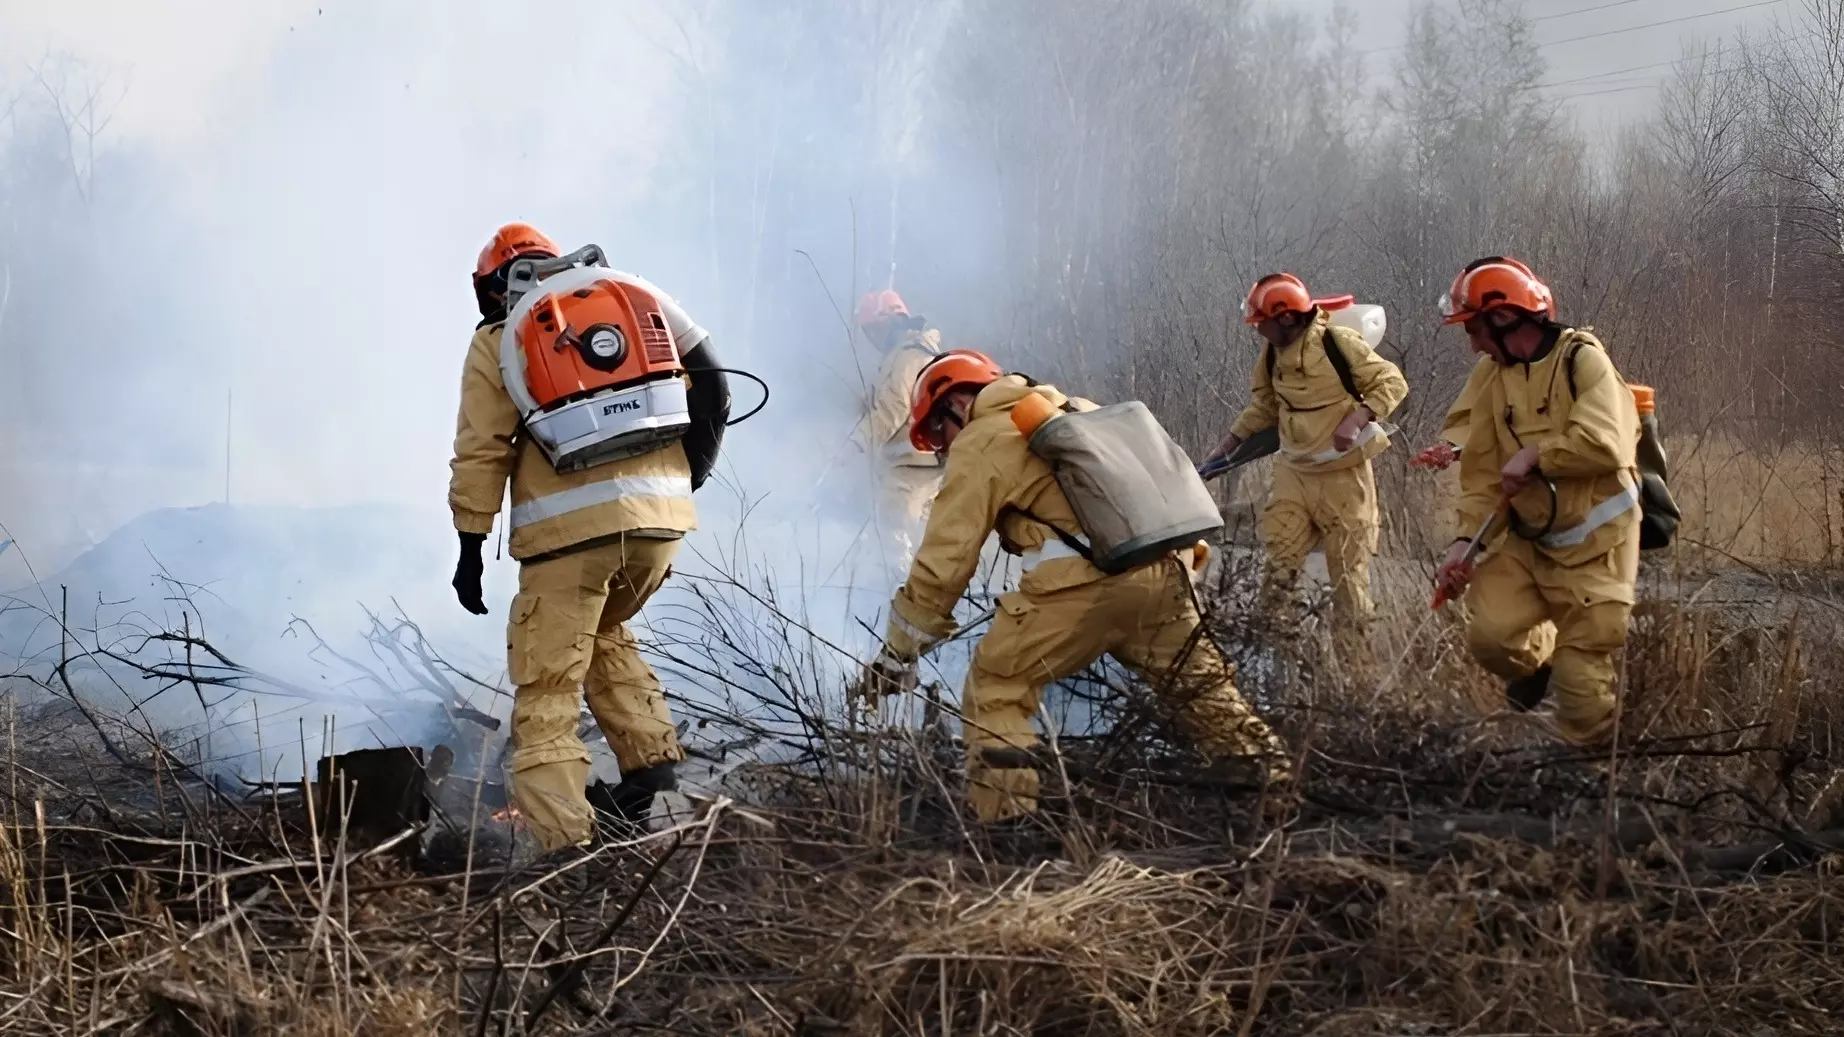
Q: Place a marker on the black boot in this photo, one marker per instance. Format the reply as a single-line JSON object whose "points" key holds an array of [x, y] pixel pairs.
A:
{"points": [[1526, 693], [627, 806]]}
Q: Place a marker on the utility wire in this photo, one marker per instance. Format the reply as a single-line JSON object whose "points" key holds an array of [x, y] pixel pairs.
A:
{"points": [[1607, 75], [1654, 25], [1614, 32], [1611, 76], [1611, 90], [1583, 10]]}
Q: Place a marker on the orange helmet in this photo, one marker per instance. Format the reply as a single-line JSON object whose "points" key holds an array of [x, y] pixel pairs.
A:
{"points": [[1493, 283], [1274, 295], [954, 369], [880, 306], [510, 242]]}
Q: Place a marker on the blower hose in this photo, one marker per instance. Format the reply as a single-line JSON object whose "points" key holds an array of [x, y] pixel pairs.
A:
{"points": [[1516, 521], [753, 378]]}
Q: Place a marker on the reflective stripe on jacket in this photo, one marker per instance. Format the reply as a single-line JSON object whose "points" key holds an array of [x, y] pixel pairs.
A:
{"points": [[1586, 443], [551, 511]]}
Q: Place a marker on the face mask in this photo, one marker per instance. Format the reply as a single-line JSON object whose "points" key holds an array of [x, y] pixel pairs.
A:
{"points": [[1500, 333]]}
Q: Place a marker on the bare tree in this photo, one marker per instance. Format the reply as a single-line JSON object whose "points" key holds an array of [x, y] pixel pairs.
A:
{"points": [[84, 100]]}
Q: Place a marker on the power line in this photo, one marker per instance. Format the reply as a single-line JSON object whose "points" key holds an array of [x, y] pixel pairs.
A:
{"points": [[1610, 32], [1584, 10], [1612, 90], [1608, 75], [1654, 25], [1611, 74]]}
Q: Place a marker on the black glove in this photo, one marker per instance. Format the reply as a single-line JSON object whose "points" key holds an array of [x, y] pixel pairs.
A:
{"points": [[467, 573]]}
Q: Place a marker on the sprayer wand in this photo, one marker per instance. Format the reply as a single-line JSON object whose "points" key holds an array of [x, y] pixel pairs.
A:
{"points": [[1486, 529]]}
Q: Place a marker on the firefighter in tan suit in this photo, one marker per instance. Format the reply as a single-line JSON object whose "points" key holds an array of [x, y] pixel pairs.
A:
{"points": [[907, 478], [1065, 613], [1324, 492], [1549, 425], [593, 545]]}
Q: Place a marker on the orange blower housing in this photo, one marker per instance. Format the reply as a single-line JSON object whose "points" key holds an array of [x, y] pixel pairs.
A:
{"points": [[589, 360]]}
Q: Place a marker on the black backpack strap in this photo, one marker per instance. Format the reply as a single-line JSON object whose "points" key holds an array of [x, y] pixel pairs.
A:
{"points": [[1334, 353], [1340, 363], [1070, 540]]}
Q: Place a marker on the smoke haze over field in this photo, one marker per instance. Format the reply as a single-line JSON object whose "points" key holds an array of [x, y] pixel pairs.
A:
{"points": [[235, 238], [284, 200]]}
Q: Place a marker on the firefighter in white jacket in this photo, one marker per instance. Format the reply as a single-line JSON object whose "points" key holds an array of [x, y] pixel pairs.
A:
{"points": [[907, 478]]}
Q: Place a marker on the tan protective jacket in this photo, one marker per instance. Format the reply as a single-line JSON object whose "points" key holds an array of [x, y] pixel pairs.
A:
{"points": [[991, 479], [1453, 426], [1586, 442], [1307, 400], [551, 511], [885, 428]]}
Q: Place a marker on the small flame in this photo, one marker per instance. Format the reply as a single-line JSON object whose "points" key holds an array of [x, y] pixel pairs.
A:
{"points": [[510, 815]]}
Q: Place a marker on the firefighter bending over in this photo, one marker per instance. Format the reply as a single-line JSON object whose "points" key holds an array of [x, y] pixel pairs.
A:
{"points": [[1084, 592]]}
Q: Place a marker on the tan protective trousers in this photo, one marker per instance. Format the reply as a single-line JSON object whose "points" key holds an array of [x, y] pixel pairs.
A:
{"points": [[1147, 619], [904, 493], [1307, 509], [568, 632], [1524, 610]]}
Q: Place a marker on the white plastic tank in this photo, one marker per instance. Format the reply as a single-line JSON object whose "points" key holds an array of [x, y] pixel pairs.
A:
{"points": [[1366, 319]]}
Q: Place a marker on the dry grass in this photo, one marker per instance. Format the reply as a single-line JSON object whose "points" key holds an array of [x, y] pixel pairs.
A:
{"points": [[1745, 504], [1451, 872], [1452, 869], [1761, 504]]}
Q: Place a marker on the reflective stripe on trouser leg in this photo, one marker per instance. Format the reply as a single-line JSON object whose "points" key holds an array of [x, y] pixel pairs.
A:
{"points": [[1507, 620], [623, 691], [1171, 651]]}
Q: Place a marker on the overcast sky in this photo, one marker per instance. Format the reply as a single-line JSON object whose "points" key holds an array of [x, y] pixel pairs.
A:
{"points": [[1633, 40], [289, 123], [178, 52]]}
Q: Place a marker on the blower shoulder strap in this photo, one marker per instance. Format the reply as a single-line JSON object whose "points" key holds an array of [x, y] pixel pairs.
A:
{"points": [[1070, 540], [1335, 353], [1568, 364], [1030, 382]]}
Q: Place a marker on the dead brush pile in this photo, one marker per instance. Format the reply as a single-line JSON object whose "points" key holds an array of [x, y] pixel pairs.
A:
{"points": [[1449, 873]]}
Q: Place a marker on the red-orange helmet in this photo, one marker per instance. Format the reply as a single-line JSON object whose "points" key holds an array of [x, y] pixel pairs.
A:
{"points": [[1493, 283], [510, 242], [1274, 295], [954, 369], [880, 306]]}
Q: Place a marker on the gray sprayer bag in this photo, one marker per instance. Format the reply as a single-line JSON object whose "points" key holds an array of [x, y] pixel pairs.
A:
{"points": [[1658, 511], [1135, 491]]}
